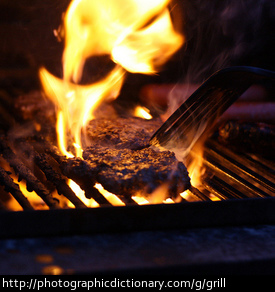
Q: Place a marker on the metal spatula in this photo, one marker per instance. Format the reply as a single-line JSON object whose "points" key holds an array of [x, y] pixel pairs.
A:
{"points": [[200, 111]]}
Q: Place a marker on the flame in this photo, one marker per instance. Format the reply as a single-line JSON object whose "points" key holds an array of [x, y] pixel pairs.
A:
{"points": [[113, 199], [159, 195], [81, 194], [140, 200], [145, 50], [196, 171], [194, 163], [142, 112], [195, 167], [76, 103], [139, 37], [137, 34]]}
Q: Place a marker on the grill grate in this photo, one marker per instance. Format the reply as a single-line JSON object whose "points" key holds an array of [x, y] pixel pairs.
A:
{"points": [[232, 175], [228, 175], [243, 183]]}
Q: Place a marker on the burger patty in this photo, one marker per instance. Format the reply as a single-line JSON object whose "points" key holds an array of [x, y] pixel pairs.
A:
{"points": [[125, 165]]}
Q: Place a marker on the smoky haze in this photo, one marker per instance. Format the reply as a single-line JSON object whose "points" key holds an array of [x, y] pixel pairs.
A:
{"points": [[220, 34], [223, 33]]}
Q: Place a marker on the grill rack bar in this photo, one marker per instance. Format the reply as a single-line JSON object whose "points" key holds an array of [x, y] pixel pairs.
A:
{"points": [[224, 173], [221, 189], [233, 173], [239, 164], [33, 183], [14, 189], [228, 174], [65, 222]]}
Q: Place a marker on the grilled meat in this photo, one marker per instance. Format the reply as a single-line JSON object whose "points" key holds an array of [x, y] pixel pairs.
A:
{"points": [[122, 133], [123, 162], [249, 137], [126, 172]]}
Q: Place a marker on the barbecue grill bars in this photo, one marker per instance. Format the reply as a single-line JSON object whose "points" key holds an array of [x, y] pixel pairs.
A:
{"points": [[228, 175]]}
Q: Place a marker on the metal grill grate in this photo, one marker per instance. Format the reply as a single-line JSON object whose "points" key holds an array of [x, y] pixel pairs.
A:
{"points": [[243, 183], [228, 175]]}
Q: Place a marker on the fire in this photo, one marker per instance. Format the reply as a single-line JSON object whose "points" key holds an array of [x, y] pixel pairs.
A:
{"points": [[142, 112], [137, 34], [196, 170], [139, 37], [81, 194], [194, 163], [140, 200], [113, 199], [76, 103]]}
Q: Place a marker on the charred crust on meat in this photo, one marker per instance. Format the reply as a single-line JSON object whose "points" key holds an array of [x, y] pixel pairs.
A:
{"points": [[122, 133], [125, 163]]}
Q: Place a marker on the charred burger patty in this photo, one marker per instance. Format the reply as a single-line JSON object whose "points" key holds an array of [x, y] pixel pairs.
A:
{"points": [[123, 166]]}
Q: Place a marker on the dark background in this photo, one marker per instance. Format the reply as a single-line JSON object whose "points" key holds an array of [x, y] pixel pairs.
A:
{"points": [[218, 34]]}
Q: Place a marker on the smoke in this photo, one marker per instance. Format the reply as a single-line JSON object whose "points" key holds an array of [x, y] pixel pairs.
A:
{"points": [[220, 34]]}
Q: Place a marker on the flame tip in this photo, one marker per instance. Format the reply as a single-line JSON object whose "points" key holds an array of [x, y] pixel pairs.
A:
{"points": [[139, 37]]}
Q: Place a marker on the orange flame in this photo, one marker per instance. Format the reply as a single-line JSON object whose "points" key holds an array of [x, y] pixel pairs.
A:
{"points": [[139, 37], [76, 103], [138, 34], [142, 112]]}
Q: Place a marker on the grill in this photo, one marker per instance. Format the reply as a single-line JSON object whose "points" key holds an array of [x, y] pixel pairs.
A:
{"points": [[243, 183], [236, 195]]}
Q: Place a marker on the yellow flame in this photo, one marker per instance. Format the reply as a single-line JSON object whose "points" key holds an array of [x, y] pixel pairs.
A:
{"points": [[196, 170], [188, 196], [168, 201], [76, 103], [113, 199], [139, 37], [140, 200], [81, 194], [145, 50], [137, 34], [142, 112]]}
